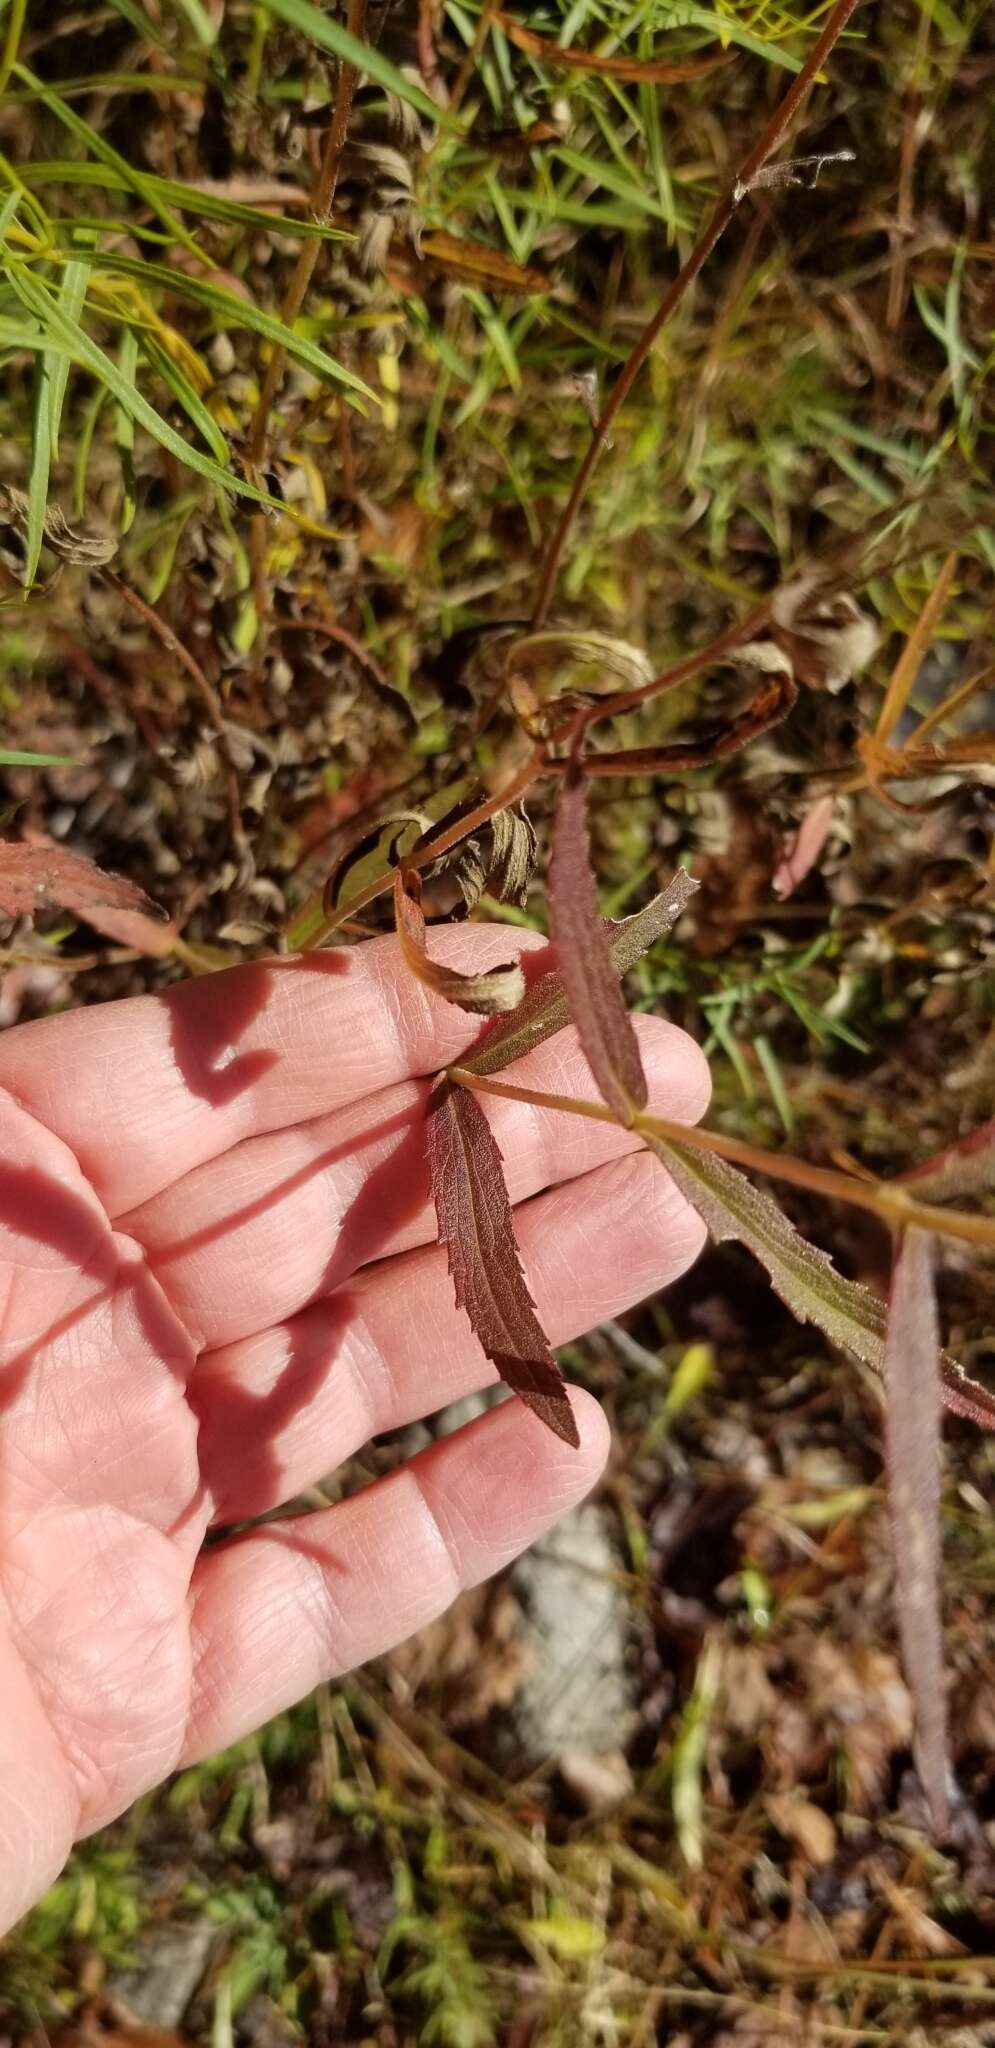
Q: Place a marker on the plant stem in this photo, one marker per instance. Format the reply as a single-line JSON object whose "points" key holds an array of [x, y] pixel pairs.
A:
{"points": [[893, 1204], [728, 204], [321, 201]]}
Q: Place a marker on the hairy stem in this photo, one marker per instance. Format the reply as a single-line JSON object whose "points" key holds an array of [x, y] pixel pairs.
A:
{"points": [[728, 204], [892, 1203]]}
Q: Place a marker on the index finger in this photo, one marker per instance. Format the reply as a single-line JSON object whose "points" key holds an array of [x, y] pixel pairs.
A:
{"points": [[145, 1089]]}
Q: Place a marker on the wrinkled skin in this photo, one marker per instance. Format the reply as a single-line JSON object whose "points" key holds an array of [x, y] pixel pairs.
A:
{"points": [[219, 1278]]}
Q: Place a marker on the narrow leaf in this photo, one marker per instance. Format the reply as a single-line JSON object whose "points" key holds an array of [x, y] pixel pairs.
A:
{"points": [[912, 1439], [41, 466], [36, 878], [476, 1227], [124, 426], [597, 1005], [638, 71], [483, 994], [805, 1278], [72, 296], [92, 358], [545, 1008]]}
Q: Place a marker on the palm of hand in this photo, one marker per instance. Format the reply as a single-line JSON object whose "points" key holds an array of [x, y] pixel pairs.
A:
{"points": [[219, 1277]]}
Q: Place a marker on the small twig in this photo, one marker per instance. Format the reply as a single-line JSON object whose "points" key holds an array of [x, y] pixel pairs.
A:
{"points": [[205, 691], [321, 201], [726, 207]]}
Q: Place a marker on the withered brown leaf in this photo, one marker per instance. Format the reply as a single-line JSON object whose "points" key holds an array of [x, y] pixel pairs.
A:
{"points": [[513, 856], [34, 878], [501, 988], [912, 1439], [477, 1229], [597, 1005]]}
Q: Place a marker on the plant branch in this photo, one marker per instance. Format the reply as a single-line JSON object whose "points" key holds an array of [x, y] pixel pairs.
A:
{"points": [[321, 201], [885, 1199], [728, 204]]}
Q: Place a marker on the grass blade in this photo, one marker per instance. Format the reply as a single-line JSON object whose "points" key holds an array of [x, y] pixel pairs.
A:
{"points": [[90, 357], [330, 35]]}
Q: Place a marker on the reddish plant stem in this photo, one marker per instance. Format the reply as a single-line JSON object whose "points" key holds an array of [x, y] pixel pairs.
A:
{"points": [[205, 691], [321, 202], [885, 1199], [727, 206]]}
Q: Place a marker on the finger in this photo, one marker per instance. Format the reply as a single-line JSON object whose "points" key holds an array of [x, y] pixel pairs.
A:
{"points": [[248, 1240], [305, 1599], [145, 1090], [279, 1410]]}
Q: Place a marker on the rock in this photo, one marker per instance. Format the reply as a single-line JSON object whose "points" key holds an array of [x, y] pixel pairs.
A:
{"points": [[577, 1699], [170, 1964]]}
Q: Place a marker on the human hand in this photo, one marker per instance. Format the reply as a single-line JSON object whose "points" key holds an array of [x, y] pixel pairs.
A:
{"points": [[219, 1278]]}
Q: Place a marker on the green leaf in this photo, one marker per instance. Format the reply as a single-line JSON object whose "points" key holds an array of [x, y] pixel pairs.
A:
{"points": [[72, 296], [13, 757], [135, 181], [368, 61], [237, 312], [545, 1009], [124, 427], [41, 466], [193, 405], [92, 358], [805, 1278], [172, 192]]}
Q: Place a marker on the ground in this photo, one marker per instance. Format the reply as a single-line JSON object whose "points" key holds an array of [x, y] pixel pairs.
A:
{"points": [[725, 1842]]}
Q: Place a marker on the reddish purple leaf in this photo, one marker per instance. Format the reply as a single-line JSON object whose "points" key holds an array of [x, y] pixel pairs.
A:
{"points": [[597, 1005], [476, 1227], [912, 1436], [34, 878], [502, 988]]}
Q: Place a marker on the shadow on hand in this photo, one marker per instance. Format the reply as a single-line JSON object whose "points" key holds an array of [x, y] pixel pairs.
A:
{"points": [[36, 1204], [210, 1014], [245, 1427]]}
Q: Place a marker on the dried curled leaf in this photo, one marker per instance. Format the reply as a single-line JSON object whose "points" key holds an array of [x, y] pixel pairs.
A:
{"points": [[545, 1008], [597, 1005], [476, 1227], [34, 878], [824, 632], [505, 871], [805, 1278], [513, 857], [502, 988], [912, 1438], [80, 545]]}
